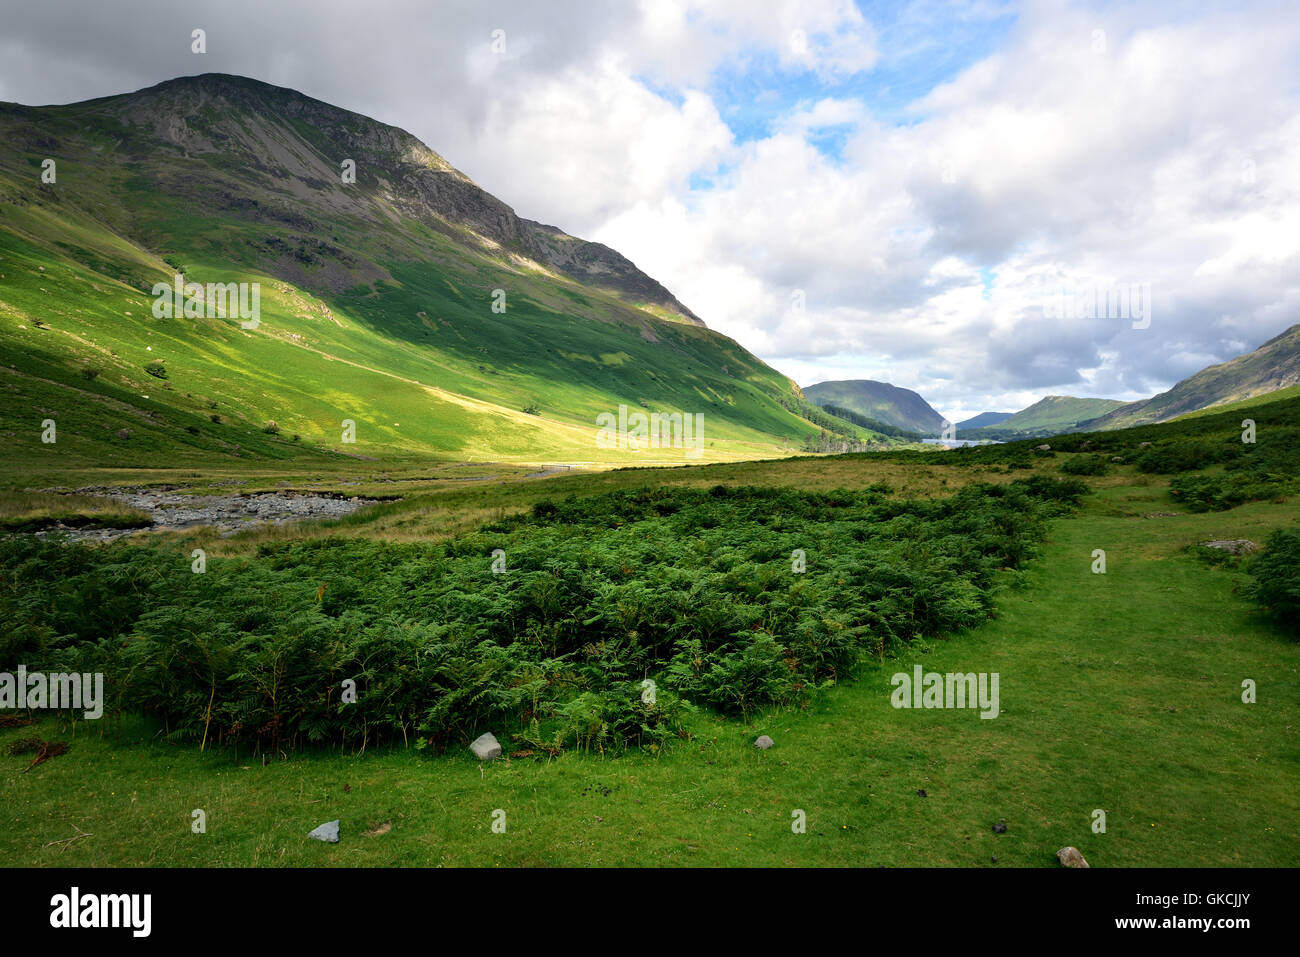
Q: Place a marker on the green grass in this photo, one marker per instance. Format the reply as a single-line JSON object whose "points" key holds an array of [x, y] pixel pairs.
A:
{"points": [[1241, 405], [31, 511], [1120, 692], [445, 498]]}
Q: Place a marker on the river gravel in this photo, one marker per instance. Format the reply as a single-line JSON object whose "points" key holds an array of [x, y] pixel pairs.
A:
{"points": [[227, 513]]}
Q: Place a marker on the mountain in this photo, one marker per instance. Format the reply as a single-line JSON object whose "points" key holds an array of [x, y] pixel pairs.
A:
{"points": [[408, 300], [1241, 405], [983, 420], [1050, 415], [597, 265], [1274, 365], [901, 408]]}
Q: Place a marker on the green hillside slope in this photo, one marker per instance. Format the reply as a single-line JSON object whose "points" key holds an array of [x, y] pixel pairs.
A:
{"points": [[901, 408], [1048, 416], [1243, 405], [1274, 365], [984, 419], [409, 302]]}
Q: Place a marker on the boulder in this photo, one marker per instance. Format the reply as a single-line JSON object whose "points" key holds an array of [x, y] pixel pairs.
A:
{"points": [[1043, 448], [486, 747], [763, 742], [1070, 857], [328, 832], [1234, 546]]}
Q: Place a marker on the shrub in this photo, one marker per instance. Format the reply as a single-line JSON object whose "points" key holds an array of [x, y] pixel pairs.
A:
{"points": [[1082, 464], [692, 588], [271, 428], [1185, 455], [1214, 557], [1213, 493], [1275, 578], [90, 373], [156, 369]]}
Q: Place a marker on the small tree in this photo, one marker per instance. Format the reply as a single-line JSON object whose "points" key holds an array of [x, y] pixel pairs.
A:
{"points": [[1275, 575]]}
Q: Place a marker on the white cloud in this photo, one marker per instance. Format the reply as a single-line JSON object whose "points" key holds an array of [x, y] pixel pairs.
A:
{"points": [[1169, 158], [579, 147]]}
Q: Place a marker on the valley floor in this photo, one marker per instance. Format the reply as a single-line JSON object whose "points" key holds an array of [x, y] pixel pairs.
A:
{"points": [[1119, 692]]}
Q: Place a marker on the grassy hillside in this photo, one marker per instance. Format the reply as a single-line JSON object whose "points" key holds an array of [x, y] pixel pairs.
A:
{"points": [[900, 408], [1048, 416], [1274, 365], [984, 419], [1243, 405], [376, 300]]}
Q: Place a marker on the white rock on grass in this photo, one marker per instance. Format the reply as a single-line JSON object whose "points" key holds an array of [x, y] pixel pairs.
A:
{"points": [[1233, 546], [1070, 857], [486, 747], [763, 742], [328, 832]]}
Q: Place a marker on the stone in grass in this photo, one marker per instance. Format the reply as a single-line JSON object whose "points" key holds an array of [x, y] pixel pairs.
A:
{"points": [[763, 742], [486, 747], [1233, 546], [1000, 827], [327, 832], [1070, 857]]}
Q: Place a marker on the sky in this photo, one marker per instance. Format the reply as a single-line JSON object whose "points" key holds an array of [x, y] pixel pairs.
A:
{"points": [[986, 202]]}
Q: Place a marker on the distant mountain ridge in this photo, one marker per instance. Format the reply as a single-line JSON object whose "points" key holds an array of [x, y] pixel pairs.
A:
{"points": [[1274, 365], [1050, 415], [983, 420], [901, 408]]}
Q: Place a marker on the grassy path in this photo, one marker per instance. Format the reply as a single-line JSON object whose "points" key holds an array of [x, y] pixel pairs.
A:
{"points": [[1119, 692]]}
